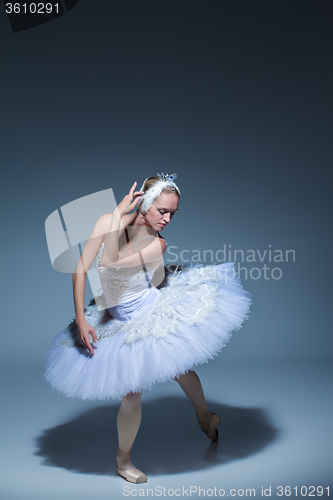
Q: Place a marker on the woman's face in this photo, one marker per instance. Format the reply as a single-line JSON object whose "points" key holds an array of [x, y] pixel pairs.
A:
{"points": [[162, 210]]}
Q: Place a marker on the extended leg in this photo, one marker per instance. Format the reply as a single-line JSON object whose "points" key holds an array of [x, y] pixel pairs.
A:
{"points": [[191, 385], [208, 421]]}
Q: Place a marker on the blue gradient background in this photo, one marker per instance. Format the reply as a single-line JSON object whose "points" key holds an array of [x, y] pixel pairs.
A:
{"points": [[233, 96]]}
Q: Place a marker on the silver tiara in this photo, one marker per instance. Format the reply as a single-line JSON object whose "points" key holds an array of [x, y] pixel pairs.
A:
{"points": [[167, 177]]}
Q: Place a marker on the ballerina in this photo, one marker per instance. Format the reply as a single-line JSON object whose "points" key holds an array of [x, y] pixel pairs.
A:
{"points": [[144, 335]]}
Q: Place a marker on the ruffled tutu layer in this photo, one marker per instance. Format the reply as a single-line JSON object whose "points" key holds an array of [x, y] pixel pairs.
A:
{"points": [[189, 322]]}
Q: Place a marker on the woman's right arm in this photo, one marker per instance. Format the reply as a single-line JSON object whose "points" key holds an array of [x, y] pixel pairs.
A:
{"points": [[79, 278], [79, 283]]}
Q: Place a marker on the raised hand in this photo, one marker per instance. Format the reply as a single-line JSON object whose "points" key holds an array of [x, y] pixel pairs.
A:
{"points": [[126, 205]]}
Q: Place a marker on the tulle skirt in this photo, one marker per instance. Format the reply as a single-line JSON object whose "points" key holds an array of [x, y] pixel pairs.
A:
{"points": [[183, 324]]}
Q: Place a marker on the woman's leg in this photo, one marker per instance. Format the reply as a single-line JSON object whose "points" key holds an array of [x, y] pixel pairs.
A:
{"points": [[208, 421], [191, 385], [128, 423]]}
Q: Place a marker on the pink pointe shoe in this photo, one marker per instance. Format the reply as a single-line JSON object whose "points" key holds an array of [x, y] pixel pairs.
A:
{"points": [[208, 422], [131, 475]]}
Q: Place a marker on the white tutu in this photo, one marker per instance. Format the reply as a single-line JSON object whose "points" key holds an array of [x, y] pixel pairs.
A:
{"points": [[154, 337]]}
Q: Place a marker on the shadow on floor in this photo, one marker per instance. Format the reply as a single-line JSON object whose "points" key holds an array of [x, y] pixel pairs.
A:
{"points": [[169, 439]]}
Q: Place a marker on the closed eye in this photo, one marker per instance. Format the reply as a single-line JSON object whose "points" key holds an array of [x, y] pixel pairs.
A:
{"points": [[172, 213]]}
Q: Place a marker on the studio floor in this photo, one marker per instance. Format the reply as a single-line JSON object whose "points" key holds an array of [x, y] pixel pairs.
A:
{"points": [[275, 434]]}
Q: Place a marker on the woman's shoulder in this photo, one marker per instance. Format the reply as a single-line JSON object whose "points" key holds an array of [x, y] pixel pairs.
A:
{"points": [[163, 243]]}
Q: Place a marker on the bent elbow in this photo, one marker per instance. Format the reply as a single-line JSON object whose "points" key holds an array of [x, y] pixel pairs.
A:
{"points": [[75, 275]]}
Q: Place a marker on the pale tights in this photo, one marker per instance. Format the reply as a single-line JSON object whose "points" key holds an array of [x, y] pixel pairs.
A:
{"points": [[130, 412]]}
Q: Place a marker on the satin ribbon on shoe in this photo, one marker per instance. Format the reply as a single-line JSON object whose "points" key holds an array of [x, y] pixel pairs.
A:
{"points": [[132, 475]]}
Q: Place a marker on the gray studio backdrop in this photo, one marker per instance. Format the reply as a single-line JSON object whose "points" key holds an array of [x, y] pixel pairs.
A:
{"points": [[235, 99]]}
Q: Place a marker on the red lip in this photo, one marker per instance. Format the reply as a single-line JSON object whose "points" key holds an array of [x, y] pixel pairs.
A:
{"points": [[163, 225]]}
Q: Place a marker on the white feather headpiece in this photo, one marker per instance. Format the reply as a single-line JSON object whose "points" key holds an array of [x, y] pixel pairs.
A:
{"points": [[154, 191]]}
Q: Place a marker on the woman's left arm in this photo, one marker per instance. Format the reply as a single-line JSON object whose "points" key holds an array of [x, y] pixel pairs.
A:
{"points": [[111, 246]]}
